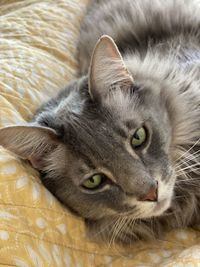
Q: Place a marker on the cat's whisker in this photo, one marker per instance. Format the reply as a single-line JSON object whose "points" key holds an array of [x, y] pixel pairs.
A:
{"points": [[190, 167], [190, 155], [188, 171], [116, 229], [121, 229], [106, 227], [130, 222], [188, 180], [124, 222], [187, 151], [187, 165], [185, 176], [181, 183], [190, 184], [122, 233], [189, 159]]}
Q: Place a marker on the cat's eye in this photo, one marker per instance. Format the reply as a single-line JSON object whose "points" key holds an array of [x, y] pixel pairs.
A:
{"points": [[139, 137], [94, 182]]}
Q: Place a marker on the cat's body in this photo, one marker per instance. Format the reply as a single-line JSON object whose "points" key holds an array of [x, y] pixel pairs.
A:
{"points": [[144, 28], [160, 45]]}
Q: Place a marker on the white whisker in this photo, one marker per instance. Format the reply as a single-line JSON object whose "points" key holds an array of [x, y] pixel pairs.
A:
{"points": [[188, 149]]}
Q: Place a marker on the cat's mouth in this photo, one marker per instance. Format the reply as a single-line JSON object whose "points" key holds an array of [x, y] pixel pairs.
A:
{"points": [[154, 209], [151, 209]]}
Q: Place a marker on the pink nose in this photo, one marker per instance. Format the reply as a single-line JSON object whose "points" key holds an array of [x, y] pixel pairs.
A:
{"points": [[152, 195]]}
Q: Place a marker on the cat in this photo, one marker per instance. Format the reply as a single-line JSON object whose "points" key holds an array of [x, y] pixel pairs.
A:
{"points": [[119, 146]]}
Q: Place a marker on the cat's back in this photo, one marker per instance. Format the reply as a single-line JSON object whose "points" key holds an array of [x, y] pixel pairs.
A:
{"points": [[136, 24]]}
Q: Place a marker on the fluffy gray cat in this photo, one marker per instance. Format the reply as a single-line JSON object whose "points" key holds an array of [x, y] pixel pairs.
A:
{"points": [[120, 145]]}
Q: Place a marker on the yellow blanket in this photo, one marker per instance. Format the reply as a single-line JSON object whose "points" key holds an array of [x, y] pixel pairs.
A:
{"points": [[37, 55]]}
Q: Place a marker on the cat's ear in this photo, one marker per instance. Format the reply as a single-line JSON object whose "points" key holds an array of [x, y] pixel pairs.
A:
{"points": [[107, 69], [29, 142]]}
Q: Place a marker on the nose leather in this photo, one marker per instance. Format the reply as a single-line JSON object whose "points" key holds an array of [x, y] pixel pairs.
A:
{"points": [[152, 195]]}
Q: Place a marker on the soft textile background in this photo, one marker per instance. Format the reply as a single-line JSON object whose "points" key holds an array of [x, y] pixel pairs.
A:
{"points": [[37, 55]]}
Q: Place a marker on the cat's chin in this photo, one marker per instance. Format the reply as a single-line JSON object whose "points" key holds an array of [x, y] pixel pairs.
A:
{"points": [[161, 207], [156, 209]]}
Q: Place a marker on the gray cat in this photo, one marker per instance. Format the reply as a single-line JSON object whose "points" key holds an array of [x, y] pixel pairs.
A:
{"points": [[120, 145]]}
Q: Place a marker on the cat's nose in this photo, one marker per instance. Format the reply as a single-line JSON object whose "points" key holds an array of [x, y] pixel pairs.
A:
{"points": [[152, 195]]}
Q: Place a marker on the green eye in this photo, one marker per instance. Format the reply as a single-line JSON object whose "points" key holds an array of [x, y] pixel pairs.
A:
{"points": [[139, 137], [94, 181]]}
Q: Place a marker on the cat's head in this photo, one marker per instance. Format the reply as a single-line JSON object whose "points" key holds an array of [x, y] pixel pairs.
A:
{"points": [[105, 149]]}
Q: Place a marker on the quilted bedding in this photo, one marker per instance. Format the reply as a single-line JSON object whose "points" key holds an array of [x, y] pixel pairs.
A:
{"points": [[37, 55]]}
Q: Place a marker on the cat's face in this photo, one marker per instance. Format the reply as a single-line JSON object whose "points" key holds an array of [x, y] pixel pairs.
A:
{"points": [[103, 169], [111, 156]]}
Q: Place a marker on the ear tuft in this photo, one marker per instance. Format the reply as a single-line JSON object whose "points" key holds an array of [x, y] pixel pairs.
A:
{"points": [[107, 69]]}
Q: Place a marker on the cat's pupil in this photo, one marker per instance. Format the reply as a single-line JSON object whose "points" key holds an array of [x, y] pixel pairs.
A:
{"points": [[136, 136], [91, 180]]}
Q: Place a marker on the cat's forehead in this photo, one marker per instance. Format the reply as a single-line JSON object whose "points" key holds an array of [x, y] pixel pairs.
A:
{"points": [[120, 106], [101, 133], [119, 114], [114, 113]]}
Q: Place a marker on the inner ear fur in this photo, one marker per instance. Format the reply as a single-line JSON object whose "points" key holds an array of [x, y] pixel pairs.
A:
{"points": [[29, 142], [107, 68]]}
